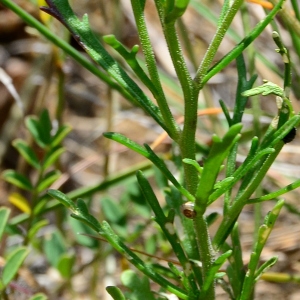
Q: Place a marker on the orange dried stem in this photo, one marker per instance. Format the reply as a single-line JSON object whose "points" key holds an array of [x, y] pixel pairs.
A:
{"points": [[264, 4]]}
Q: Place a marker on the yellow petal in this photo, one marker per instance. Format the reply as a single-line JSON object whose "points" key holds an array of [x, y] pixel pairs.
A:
{"points": [[20, 202], [44, 16]]}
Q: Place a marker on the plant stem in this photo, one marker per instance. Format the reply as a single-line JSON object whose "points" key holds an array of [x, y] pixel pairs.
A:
{"points": [[152, 69], [288, 18], [206, 251], [190, 94], [214, 45]]}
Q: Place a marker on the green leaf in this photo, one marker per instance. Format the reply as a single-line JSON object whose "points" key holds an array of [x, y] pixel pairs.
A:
{"points": [[40, 129], [214, 270], [36, 227], [33, 127], [17, 179], [39, 296], [113, 212], [65, 265], [61, 133], [147, 152], [45, 127], [220, 188], [47, 180], [120, 138], [27, 153], [266, 89], [54, 247], [130, 57], [52, 156], [61, 197], [139, 285], [265, 230], [236, 261], [178, 10], [219, 151], [13, 263], [193, 163], [115, 292], [4, 214], [265, 266], [83, 214]]}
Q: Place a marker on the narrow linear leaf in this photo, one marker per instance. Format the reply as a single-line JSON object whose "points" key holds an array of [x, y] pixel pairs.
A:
{"points": [[52, 156], [266, 89], [120, 138], [4, 214], [61, 197], [27, 153], [13, 263], [36, 227], [61, 133], [54, 247], [115, 292], [17, 179], [33, 126], [214, 270], [139, 285], [45, 127], [265, 266], [65, 265], [84, 215], [47, 180], [219, 151], [39, 296], [147, 152]]}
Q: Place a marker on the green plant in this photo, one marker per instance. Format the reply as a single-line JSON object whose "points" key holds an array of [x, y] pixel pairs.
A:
{"points": [[201, 256]]}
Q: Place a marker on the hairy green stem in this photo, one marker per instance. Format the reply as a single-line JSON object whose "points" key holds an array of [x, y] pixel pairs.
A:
{"points": [[190, 93], [214, 45], [152, 68], [187, 140], [206, 251]]}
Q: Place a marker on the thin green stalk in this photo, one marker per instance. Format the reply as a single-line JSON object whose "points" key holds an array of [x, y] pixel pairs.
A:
{"points": [[288, 18], [190, 93], [238, 49], [207, 13], [246, 20], [187, 140], [206, 252], [152, 68], [276, 194], [61, 95], [215, 43], [295, 6], [255, 101]]}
